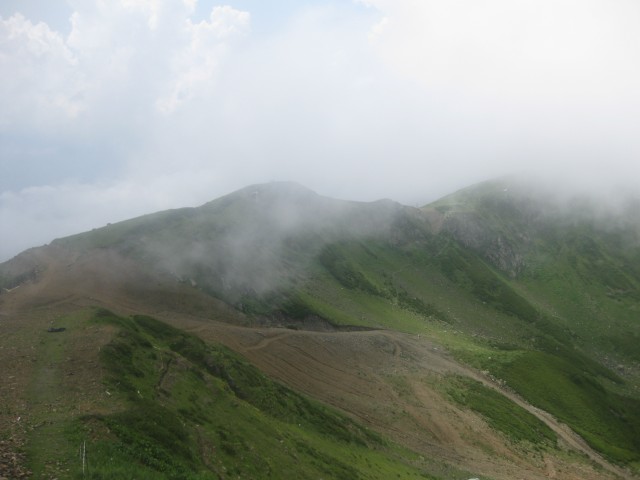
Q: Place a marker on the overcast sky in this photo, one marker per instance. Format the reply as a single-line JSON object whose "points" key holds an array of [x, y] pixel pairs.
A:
{"points": [[114, 108]]}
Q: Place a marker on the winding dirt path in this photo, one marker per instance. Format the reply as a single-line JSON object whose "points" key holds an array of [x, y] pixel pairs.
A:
{"points": [[574, 441], [353, 371], [266, 341]]}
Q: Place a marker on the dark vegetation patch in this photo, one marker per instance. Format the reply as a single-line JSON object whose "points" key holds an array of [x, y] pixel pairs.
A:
{"points": [[362, 266], [344, 270], [500, 412], [570, 389], [253, 304], [296, 308], [466, 270], [327, 465], [595, 264], [155, 437], [418, 306], [626, 343], [411, 302], [575, 357]]}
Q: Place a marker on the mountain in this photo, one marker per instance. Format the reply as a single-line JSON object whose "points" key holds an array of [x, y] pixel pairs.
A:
{"points": [[276, 333]]}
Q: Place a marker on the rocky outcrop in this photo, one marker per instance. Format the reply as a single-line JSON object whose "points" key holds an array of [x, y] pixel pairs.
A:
{"points": [[473, 232]]}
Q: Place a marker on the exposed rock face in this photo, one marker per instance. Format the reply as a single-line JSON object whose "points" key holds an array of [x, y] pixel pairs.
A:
{"points": [[505, 257], [471, 231]]}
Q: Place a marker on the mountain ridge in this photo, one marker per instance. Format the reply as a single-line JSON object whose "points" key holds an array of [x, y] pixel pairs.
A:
{"points": [[506, 286]]}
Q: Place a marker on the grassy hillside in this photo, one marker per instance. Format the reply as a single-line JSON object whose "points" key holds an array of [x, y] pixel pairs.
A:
{"points": [[543, 294], [550, 362], [190, 410], [257, 240]]}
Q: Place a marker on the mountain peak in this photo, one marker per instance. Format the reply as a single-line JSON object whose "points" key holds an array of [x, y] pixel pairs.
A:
{"points": [[276, 190]]}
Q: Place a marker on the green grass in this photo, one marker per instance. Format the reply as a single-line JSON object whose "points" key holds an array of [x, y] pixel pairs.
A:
{"points": [[51, 411], [609, 422], [500, 412], [557, 371], [199, 411], [466, 270], [568, 381], [344, 271], [379, 285]]}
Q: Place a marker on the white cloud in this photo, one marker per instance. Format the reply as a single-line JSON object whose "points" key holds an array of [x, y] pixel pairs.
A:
{"points": [[96, 92], [550, 82], [193, 68], [514, 50], [36, 215], [120, 60], [407, 99], [39, 83]]}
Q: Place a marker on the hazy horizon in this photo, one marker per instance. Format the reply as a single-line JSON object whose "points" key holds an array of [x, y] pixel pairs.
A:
{"points": [[115, 111]]}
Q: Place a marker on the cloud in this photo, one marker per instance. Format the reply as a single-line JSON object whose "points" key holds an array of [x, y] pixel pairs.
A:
{"points": [[80, 112], [549, 82], [540, 58], [120, 60], [547, 48], [148, 104], [193, 68], [40, 83], [36, 215]]}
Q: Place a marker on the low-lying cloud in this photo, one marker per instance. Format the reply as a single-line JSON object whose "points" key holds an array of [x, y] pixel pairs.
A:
{"points": [[145, 105]]}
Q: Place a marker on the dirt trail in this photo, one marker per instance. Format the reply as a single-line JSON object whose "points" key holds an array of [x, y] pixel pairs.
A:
{"points": [[356, 371], [266, 342], [551, 471], [51, 377], [572, 440]]}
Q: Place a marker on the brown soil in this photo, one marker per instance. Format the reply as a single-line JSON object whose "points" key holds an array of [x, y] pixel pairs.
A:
{"points": [[390, 382]]}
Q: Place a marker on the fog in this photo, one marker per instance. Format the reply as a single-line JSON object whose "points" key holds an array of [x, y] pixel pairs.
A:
{"points": [[112, 111], [259, 240]]}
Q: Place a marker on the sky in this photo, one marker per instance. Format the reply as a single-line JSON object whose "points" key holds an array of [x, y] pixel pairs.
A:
{"points": [[110, 109]]}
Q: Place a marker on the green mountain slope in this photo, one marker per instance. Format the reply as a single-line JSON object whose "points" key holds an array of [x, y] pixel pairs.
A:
{"points": [[257, 240], [193, 410], [540, 293]]}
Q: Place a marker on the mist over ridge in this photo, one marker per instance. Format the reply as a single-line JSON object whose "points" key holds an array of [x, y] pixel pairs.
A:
{"points": [[272, 210], [262, 239]]}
